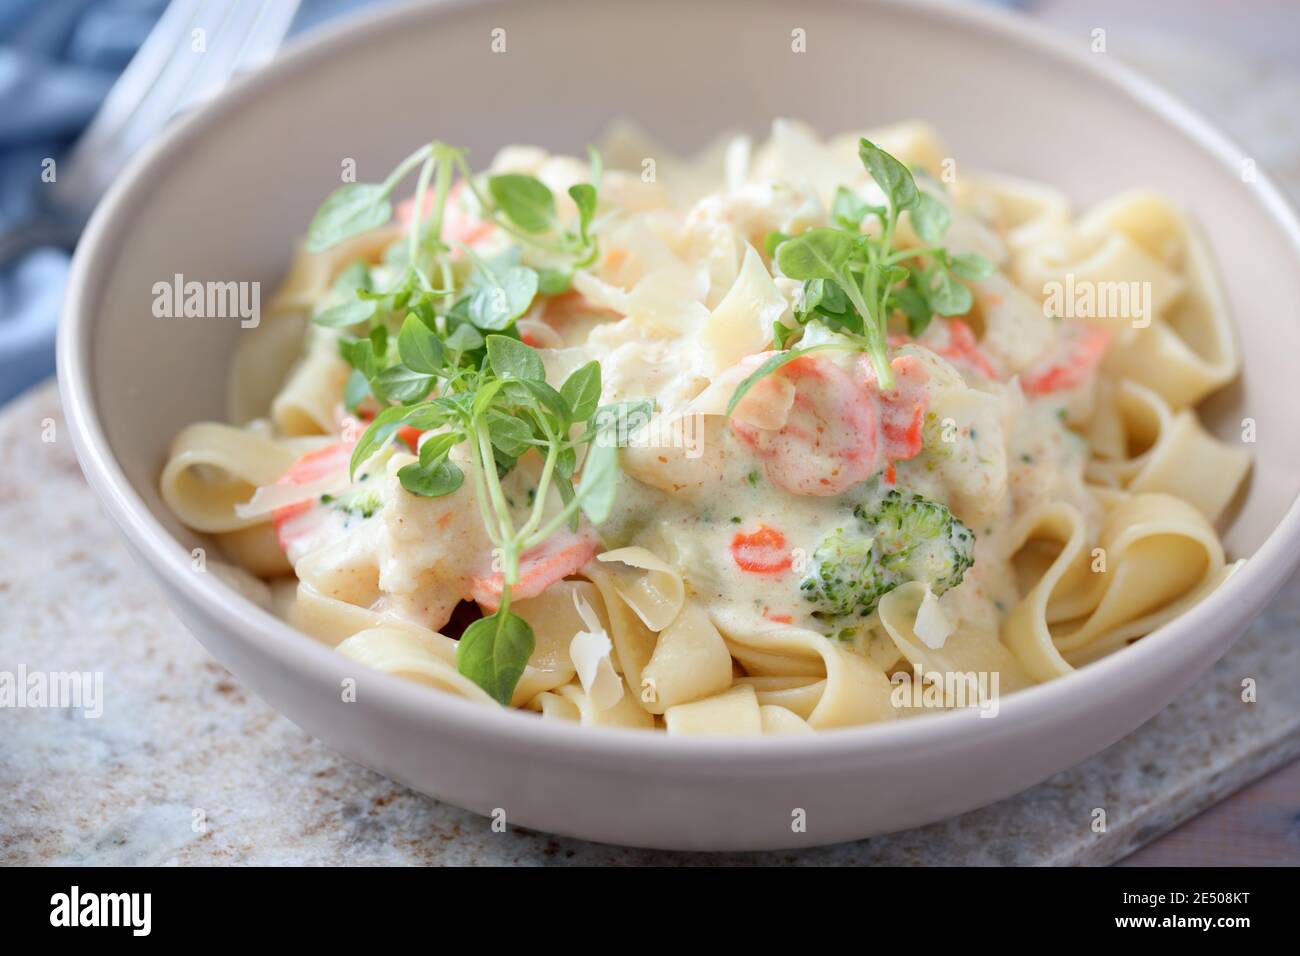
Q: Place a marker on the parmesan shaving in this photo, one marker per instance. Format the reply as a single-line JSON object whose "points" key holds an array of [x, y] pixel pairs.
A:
{"points": [[590, 652], [932, 625]]}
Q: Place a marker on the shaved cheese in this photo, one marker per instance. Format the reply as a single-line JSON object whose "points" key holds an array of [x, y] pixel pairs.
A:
{"points": [[742, 323], [668, 301], [795, 155], [270, 498], [766, 405], [656, 596], [932, 625], [590, 652]]}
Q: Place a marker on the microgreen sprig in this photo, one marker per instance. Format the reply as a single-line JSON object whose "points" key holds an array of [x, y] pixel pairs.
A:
{"points": [[460, 372], [499, 411], [854, 281]]}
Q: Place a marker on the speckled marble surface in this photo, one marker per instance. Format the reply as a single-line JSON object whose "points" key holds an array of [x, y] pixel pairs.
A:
{"points": [[180, 740]]}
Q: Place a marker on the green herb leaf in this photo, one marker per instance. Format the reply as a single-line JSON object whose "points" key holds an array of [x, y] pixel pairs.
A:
{"points": [[584, 197], [401, 384], [436, 447], [817, 254], [624, 418], [950, 297], [377, 434], [581, 391], [345, 314], [493, 652], [566, 460], [431, 481], [554, 281], [464, 338], [509, 358], [349, 211], [772, 241], [915, 305], [930, 218], [356, 390], [499, 299], [512, 436], [599, 481], [532, 393], [971, 266], [420, 349], [781, 335], [848, 210], [378, 339], [359, 353], [525, 199], [890, 175]]}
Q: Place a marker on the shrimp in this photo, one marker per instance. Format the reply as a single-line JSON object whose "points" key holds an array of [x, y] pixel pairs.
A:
{"points": [[1071, 364], [562, 554], [955, 341], [841, 428], [298, 527], [902, 408], [963, 349], [457, 224], [830, 440]]}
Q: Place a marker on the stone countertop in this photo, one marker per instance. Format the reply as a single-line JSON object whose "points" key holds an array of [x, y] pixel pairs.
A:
{"points": [[185, 767]]}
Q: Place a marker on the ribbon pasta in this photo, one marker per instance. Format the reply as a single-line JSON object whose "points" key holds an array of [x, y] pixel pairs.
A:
{"points": [[1059, 425]]}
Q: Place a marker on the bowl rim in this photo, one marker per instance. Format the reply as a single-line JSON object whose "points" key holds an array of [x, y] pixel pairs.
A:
{"points": [[442, 712]]}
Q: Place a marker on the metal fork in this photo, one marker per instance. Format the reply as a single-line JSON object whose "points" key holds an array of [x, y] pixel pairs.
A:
{"points": [[193, 51]]}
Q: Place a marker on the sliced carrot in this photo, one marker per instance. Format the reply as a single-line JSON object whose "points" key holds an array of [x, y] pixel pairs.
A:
{"points": [[761, 552]]}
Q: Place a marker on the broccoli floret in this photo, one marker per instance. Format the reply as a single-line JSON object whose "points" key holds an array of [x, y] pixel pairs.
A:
{"points": [[906, 538]]}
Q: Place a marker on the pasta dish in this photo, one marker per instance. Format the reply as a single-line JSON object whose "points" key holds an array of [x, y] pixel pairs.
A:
{"points": [[786, 437]]}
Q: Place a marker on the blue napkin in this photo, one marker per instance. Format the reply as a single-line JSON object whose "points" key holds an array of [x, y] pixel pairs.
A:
{"points": [[57, 62]]}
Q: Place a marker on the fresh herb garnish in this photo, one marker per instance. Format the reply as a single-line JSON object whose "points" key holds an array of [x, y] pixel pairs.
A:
{"points": [[456, 368], [490, 298], [500, 410], [854, 282]]}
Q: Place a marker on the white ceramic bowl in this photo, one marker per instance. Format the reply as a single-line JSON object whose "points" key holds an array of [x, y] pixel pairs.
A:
{"points": [[225, 194]]}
